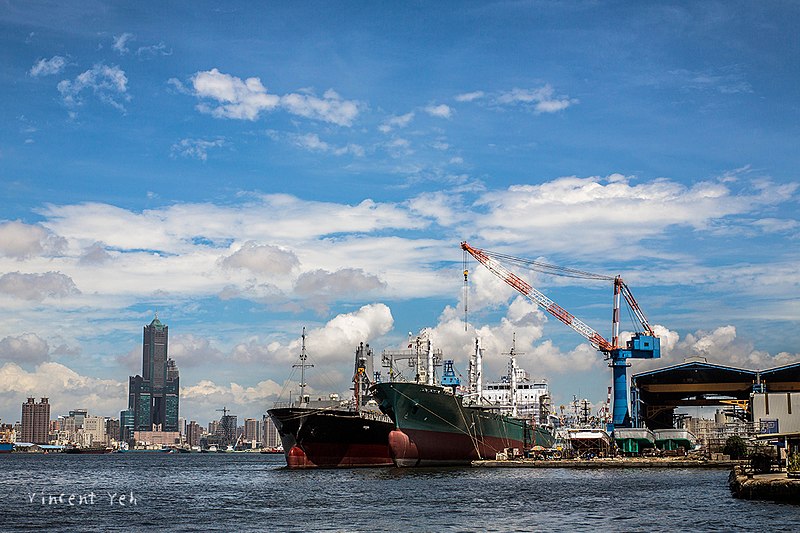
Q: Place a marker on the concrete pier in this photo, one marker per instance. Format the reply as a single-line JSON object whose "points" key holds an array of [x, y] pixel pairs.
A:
{"points": [[774, 486], [618, 462]]}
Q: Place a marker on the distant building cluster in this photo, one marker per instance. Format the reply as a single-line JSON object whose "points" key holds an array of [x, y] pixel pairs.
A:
{"points": [[151, 419]]}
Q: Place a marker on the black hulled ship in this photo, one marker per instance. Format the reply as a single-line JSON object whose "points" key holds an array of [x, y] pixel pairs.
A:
{"points": [[331, 433]]}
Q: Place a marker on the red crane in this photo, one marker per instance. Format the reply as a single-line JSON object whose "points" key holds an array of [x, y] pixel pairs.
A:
{"points": [[644, 345]]}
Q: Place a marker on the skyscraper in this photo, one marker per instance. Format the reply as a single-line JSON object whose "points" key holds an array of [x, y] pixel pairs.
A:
{"points": [[126, 425], [153, 396], [35, 421]]}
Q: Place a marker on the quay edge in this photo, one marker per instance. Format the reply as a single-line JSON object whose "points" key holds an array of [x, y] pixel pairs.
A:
{"points": [[607, 463], [775, 487]]}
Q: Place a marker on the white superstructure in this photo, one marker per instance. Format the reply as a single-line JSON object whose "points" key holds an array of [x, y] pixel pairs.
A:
{"points": [[532, 398]]}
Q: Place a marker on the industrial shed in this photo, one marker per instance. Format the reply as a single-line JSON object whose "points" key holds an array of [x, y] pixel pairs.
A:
{"points": [[657, 393]]}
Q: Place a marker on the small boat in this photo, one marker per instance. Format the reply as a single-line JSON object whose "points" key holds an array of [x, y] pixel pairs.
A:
{"points": [[90, 450], [272, 450], [146, 450]]}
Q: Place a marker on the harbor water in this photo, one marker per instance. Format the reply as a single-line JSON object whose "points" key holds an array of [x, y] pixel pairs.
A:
{"points": [[250, 491]]}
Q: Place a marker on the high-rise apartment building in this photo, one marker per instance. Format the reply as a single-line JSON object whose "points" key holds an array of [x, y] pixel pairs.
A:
{"points": [[271, 437], [193, 431], [92, 432], [112, 430], [35, 421], [226, 430], [252, 430], [153, 396]]}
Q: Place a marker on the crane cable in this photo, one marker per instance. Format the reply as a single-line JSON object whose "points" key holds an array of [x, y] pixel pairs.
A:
{"points": [[547, 268]]}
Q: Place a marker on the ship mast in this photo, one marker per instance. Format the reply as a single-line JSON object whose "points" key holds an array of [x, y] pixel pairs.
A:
{"points": [[429, 369], [303, 365], [475, 369], [361, 381], [513, 369]]}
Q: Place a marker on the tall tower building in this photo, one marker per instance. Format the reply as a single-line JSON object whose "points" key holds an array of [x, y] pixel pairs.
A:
{"points": [[153, 396], [35, 421]]}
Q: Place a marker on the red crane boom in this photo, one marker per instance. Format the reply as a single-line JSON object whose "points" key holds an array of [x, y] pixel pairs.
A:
{"points": [[525, 288]]}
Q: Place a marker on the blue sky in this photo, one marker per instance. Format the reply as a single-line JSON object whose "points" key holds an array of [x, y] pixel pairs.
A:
{"points": [[247, 170]]}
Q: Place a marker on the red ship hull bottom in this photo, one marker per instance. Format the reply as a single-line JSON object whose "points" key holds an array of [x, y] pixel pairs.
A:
{"points": [[332, 455], [410, 447]]}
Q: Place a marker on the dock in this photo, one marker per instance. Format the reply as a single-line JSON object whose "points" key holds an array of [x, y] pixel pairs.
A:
{"points": [[775, 486], [617, 462]]}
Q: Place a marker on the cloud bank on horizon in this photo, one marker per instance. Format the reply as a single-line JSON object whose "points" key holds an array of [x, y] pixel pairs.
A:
{"points": [[243, 194]]}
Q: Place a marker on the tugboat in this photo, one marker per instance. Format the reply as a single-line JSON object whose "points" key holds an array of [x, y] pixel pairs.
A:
{"points": [[327, 434]]}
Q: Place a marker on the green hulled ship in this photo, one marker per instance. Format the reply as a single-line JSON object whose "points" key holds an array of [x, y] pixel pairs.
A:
{"points": [[433, 427]]}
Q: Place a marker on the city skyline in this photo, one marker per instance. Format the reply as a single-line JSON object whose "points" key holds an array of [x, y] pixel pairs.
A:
{"points": [[247, 170]]}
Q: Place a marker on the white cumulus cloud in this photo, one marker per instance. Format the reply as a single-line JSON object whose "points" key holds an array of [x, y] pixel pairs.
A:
{"points": [[65, 388], [247, 99], [25, 348], [108, 83], [720, 345], [262, 259], [236, 98], [397, 121], [37, 287], [121, 43], [21, 241], [48, 67], [312, 142], [441, 111], [469, 97], [542, 99], [196, 148], [572, 213], [330, 108]]}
